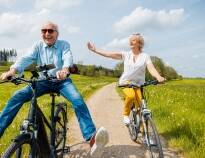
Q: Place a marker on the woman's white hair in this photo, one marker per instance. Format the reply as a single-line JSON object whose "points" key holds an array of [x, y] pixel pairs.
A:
{"points": [[141, 40]]}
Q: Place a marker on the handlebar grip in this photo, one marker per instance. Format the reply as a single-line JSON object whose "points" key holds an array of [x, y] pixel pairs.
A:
{"points": [[9, 78], [74, 69]]}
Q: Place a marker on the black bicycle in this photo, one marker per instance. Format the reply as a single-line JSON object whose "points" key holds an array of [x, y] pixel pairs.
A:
{"points": [[142, 125], [33, 141]]}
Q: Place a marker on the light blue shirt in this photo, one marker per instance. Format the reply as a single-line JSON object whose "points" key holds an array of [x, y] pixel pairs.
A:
{"points": [[59, 54]]}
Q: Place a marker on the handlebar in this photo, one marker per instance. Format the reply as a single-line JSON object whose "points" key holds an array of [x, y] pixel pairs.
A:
{"points": [[44, 68], [134, 85], [15, 80], [19, 80]]}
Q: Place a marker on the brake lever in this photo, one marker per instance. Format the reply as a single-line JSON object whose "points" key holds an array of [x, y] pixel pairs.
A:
{"points": [[15, 81]]}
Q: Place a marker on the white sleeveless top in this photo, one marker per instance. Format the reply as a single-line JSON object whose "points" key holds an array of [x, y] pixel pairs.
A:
{"points": [[134, 72]]}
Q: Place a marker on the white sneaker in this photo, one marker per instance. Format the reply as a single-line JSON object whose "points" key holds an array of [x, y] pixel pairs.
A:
{"points": [[99, 141], [126, 120]]}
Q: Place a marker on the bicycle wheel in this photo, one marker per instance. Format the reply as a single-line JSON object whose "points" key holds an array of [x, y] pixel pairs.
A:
{"points": [[133, 127], [60, 129], [22, 147], [154, 144]]}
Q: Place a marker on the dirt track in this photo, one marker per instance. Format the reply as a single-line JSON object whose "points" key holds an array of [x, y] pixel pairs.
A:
{"points": [[106, 110]]}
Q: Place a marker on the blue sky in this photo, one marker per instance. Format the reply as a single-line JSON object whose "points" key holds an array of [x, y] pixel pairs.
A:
{"points": [[174, 30]]}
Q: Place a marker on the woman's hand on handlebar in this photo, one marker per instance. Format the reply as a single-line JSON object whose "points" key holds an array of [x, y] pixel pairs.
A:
{"points": [[161, 79]]}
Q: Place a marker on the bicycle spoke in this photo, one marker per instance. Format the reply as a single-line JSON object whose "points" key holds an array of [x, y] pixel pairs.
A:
{"points": [[21, 149], [60, 123], [154, 144], [60, 130], [133, 126]]}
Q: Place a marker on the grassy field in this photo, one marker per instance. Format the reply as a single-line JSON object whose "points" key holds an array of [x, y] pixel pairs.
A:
{"points": [[179, 111], [86, 85], [4, 68]]}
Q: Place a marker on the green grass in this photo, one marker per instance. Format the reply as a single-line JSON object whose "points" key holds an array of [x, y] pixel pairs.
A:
{"points": [[86, 86], [4, 68], [179, 111]]}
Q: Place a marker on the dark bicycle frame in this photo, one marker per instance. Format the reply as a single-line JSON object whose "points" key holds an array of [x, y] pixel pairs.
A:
{"points": [[33, 127]]}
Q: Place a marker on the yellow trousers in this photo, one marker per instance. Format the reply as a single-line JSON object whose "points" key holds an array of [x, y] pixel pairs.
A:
{"points": [[131, 95]]}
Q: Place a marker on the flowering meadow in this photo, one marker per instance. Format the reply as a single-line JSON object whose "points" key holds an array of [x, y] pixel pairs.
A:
{"points": [[179, 112]]}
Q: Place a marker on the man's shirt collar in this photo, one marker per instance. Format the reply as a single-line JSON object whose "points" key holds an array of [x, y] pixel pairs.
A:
{"points": [[55, 45]]}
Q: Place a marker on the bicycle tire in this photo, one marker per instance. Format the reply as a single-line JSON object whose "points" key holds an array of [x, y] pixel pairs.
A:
{"points": [[60, 125], [133, 127], [22, 148], [154, 147]]}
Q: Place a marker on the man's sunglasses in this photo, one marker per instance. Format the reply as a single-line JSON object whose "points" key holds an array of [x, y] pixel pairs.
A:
{"points": [[50, 31]]}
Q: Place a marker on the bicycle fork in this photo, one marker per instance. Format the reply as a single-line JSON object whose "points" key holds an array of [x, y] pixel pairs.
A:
{"points": [[146, 113]]}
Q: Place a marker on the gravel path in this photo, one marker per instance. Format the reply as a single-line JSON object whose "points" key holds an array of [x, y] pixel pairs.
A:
{"points": [[106, 109]]}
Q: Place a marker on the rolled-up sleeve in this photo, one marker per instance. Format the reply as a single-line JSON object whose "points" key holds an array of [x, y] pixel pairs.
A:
{"points": [[148, 59], [26, 60], [67, 56]]}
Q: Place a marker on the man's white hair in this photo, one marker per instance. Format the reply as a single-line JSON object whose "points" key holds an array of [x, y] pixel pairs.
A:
{"points": [[51, 23]]}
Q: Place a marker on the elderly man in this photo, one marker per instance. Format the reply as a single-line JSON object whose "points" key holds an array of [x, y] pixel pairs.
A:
{"points": [[53, 51]]}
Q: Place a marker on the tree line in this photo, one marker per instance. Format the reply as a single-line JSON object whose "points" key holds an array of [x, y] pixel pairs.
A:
{"points": [[7, 55], [92, 70], [167, 71]]}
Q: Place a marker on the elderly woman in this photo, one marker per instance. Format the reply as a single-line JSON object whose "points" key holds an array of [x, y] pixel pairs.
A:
{"points": [[135, 64]]}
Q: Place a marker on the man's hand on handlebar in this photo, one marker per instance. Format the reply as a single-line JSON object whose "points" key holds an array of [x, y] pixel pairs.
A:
{"points": [[62, 74], [4, 76]]}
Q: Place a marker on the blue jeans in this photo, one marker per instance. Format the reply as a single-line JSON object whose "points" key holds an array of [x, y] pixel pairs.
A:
{"points": [[66, 89]]}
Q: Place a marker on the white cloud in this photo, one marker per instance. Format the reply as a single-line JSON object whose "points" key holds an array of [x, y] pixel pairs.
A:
{"points": [[143, 18], [56, 4], [6, 2], [10, 24], [13, 24], [118, 44], [44, 11], [72, 29], [122, 43], [196, 56]]}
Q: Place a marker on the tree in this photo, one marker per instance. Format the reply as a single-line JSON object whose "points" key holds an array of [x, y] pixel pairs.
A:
{"points": [[8, 55], [118, 69]]}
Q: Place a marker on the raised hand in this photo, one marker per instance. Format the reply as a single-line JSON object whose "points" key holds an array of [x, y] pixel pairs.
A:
{"points": [[91, 46]]}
